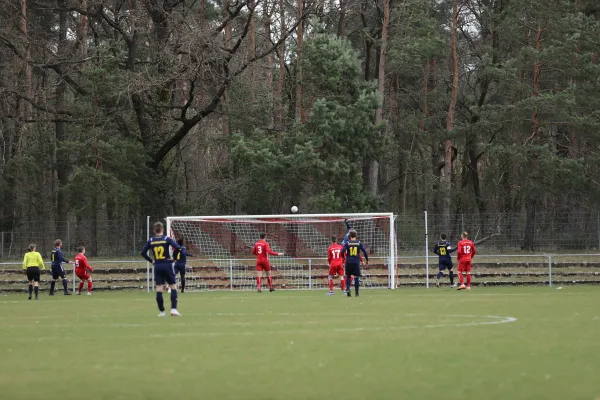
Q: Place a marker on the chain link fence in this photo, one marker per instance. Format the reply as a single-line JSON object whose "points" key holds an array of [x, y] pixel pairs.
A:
{"points": [[110, 239], [549, 232], [544, 232]]}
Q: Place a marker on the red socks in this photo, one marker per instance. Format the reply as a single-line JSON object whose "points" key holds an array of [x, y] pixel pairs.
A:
{"points": [[270, 281], [461, 278], [90, 286], [258, 281], [80, 286], [331, 284], [343, 283], [468, 279]]}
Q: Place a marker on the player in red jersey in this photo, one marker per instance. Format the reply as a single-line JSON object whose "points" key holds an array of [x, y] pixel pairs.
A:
{"points": [[466, 252], [81, 270], [336, 264], [261, 250]]}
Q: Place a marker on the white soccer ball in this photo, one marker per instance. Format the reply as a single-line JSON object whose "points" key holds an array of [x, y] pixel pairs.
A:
{"points": [[294, 209]]}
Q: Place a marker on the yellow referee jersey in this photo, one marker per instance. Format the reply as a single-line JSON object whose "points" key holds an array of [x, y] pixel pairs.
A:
{"points": [[33, 259]]}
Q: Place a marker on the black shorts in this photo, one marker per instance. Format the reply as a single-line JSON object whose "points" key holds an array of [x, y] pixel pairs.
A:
{"points": [[180, 269], [164, 274], [445, 264], [33, 274], [58, 271], [352, 269]]}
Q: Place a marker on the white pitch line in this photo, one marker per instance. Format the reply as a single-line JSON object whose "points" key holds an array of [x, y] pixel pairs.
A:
{"points": [[492, 320]]}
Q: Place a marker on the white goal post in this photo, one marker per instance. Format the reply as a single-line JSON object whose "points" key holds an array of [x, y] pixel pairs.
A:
{"points": [[222, 248]]}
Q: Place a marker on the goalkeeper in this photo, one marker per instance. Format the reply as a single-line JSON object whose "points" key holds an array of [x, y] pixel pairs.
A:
{"points": [[180, 256]]}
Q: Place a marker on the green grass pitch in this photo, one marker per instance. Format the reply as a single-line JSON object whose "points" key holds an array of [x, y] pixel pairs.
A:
{"points": [[491, 343]]}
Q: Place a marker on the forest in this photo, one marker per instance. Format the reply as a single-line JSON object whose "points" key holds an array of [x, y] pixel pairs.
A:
{"points": [[111, 110]]}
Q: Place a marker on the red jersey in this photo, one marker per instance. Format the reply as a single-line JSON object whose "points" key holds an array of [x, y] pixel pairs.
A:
{"points": [[334, 255], [466, 250], [261, 249], [81, 264]]}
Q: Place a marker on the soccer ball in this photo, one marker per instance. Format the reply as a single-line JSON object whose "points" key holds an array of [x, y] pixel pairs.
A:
{"points": [[294, 209]]}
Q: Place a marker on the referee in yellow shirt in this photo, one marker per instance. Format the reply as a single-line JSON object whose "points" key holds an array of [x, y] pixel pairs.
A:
{"points": [[32, 262]]}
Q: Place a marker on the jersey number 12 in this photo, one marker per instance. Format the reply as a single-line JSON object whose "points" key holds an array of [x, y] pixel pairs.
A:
{"points": [[159, 253]]}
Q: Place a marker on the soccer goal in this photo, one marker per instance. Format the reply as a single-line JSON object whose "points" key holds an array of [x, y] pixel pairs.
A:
{"points": [[222, 246]]}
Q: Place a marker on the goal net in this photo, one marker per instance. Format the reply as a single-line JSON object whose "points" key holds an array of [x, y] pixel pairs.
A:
{"points": [[223, 245]]}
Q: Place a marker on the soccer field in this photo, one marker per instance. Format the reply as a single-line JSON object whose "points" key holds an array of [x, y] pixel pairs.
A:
{"points": [[491, 343]]}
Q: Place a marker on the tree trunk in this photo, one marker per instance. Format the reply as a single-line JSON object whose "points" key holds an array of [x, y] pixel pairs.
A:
{"points": [[374, 167], [60, 127], [300, 33], [94, 228], [447, 175], [340, 31], [425, 112], [83, 35], [252, 48], [25, 38], [280, 82], [269, 66], [535, 123], [533, 199], [529, 234], [231, 162]]}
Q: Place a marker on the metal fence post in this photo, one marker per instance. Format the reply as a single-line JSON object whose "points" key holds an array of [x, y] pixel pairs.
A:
{"points": [[426, 252], [74, 277], [230, 274], [3, 245], [147, 263], [310, 274], [68, 237], [549, 269], [134, 244]]}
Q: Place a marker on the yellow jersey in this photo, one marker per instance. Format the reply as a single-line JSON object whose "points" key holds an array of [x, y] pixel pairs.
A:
{"points": [[33, 259]]}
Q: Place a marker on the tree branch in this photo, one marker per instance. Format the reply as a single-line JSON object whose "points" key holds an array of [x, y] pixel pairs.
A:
{"points": [[188, 124]]}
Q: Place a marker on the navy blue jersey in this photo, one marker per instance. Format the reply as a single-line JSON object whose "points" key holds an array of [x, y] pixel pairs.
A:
{"points": [[159, 246], [180, 256], [57, 258], [443, 250], [352, 250]]}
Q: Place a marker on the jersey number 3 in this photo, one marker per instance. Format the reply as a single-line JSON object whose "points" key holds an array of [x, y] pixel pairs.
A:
{"points": [[159, 253]]}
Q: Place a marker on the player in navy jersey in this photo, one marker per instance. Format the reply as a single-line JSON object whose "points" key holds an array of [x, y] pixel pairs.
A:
{"points": [[351, 251], [160, 245], [57, 259], [344, 241], [443, 249], [180, 256]]}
